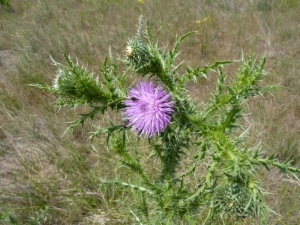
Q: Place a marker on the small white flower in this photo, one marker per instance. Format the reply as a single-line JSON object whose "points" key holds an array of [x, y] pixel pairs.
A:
{"points": [[128, 51]]}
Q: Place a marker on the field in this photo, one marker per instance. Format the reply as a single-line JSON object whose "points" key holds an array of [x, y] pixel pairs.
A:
{"points": [[50, 178]]}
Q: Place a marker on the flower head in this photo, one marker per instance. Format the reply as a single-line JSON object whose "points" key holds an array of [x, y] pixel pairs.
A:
{"points": [[148, 108]]}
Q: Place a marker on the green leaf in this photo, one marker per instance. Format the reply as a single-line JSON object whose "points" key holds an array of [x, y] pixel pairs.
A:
{"points": [[44, 87], [200, 72], [12, 219], [178, 42]]}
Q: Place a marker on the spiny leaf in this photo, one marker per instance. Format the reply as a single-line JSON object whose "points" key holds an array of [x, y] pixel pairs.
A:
{"points": [[179, 41]]}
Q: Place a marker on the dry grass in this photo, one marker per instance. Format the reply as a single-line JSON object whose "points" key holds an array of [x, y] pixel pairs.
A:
{"points": [[40, 168]]}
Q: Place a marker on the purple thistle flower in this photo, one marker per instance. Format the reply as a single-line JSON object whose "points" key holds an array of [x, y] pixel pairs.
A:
{"points": [[148, 108]]}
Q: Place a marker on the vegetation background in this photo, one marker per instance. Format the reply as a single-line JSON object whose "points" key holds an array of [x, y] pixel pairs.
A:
{"points": [[48, 178]]}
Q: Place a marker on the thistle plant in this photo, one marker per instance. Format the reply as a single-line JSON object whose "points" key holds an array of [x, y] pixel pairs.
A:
{"points": [[209, 138]]}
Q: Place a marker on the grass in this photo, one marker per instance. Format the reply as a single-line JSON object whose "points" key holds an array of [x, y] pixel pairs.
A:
{"points": [[47, 178]]}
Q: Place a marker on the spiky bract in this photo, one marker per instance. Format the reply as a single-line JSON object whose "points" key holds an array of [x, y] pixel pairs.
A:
{"points": [[138, 56], [236, 199]]}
